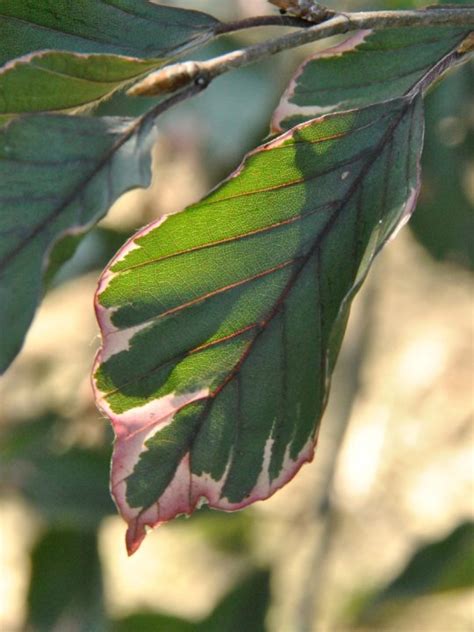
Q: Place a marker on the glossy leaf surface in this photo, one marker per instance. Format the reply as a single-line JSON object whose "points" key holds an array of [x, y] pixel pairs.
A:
{"points": [[221, 324], [48, 46], [58, 176], [367, 68]]}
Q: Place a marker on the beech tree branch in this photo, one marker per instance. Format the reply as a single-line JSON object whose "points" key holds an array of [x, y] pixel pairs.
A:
{"points": [[261, 20], [181, 74]]}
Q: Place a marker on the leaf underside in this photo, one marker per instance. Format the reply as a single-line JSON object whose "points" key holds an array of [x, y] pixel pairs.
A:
{"points": [[369, 67], [221, 325], [58, 176], [140, 36]]}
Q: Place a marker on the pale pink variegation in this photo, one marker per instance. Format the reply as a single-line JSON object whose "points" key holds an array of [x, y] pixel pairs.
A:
{"points": [[287, 108], [135, 426]]}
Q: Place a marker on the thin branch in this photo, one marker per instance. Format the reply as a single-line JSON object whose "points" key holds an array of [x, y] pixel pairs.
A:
{"points": [[263, 20], [178, 75], [305, 9]]}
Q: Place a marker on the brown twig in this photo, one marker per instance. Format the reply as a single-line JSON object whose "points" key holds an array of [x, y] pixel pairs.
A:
{"points": [[177, 75], [304, 9], [263, 20]]}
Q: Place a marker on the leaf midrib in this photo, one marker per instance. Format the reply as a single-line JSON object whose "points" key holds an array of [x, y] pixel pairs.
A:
{"points": [[262, 324]]}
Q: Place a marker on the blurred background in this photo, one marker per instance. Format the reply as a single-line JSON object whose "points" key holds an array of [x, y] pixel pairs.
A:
{"points": [[376, 533]]}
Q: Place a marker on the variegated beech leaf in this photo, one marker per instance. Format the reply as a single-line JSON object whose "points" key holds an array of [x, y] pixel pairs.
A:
{"points": [[58, 176], [368, 67], [139, 28], [221, 325], [58, 54]]}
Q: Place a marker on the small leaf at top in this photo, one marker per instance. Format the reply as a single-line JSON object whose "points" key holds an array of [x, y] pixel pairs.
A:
{"points": [[64, 55], [367, 68], [58, 176], [220, 325]]}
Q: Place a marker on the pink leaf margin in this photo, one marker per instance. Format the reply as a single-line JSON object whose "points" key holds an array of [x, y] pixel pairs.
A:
{"points": [[287, 108], [132, 429], [186, 491]]}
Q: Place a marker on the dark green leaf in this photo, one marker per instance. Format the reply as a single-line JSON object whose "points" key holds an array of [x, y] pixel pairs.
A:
{"points": [[221, 325], [135, 28], [444, 565], [65, 591], [66, 486], [69, 489], [369, 67], [444, 219], [243, 608], [58, 176], [63, 75], [153, 622]]}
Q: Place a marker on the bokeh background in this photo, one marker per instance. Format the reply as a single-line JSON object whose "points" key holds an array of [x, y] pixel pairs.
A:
{"points": [[376, 533]]}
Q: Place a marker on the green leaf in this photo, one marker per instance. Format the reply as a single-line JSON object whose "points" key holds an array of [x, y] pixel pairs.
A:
{"points": [[69, 489], [65, 590], [367, 68], [135, 28], [58, 176], [66, 486], [243, 608], [221, 324], [63, 74], [446, 163], [436, 567], [59, 81]]}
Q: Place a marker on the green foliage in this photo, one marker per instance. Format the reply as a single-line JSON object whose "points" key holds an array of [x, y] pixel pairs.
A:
{"points": [[366, 68], [59, 174], [437, 567], [444, 221], [68, 487], [137, 28], [65, 590], [271, 294], [55, 70], [243, 608], [60, 81]]}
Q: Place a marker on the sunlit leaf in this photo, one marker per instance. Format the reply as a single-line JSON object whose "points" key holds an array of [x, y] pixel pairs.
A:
{"points": [[63, 74], [59, 81], [367, 68], [221, 324], [58, 176]]}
